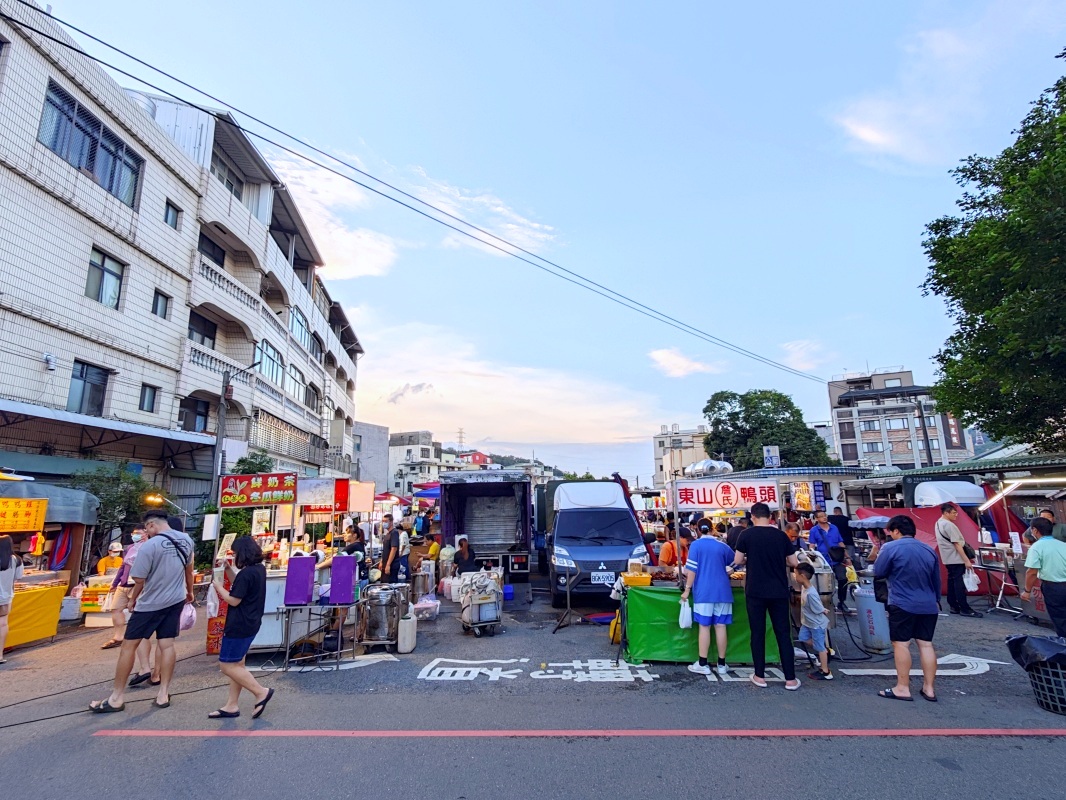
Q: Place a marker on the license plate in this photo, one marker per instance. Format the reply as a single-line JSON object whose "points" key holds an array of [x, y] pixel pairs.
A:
{"points": [[603, 577]]}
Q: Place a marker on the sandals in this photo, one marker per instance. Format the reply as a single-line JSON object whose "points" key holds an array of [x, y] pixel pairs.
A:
{"points": [[111, 644], [888, 694], [137, 680], [220, 714], [260, 707], [105, 707], [930, 698], [157, 704]]}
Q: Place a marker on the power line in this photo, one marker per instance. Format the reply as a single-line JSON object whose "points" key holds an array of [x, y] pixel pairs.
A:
{"points": [[583, 282]]}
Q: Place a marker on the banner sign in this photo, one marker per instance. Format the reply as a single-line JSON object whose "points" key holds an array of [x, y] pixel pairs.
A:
{"points": [[18, 515], [725, 495], [266, 489]]}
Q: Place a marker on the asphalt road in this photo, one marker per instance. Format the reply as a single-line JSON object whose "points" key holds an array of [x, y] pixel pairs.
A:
{"points": [[541, 730]]}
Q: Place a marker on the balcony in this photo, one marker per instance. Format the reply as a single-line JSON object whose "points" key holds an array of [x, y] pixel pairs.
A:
{"points": [[201, 376], [225, 284]]}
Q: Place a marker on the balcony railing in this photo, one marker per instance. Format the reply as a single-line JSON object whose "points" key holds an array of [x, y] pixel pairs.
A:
{"points": [[227, 285], [272, 318], [214, 362]]}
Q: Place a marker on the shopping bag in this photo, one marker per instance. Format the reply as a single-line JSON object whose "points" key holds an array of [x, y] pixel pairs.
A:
{"points": [[971, 581], [685, 618], [188, 617], [108, 603], [211, 601]]}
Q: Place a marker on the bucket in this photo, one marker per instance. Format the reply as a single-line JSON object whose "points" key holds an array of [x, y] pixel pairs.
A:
{"points": [[1049, 685], [407, 635], [508, 592]]}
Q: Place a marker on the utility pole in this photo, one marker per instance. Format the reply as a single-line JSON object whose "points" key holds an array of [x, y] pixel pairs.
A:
{"points": [[462, 440], [920, 405], [220, 437]]}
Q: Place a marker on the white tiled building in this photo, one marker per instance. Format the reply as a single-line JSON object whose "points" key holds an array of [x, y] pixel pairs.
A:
{"points": [[147, 247]]}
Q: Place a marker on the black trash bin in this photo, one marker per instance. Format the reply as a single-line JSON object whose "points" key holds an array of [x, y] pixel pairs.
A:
{"points": [[1044, 659]]}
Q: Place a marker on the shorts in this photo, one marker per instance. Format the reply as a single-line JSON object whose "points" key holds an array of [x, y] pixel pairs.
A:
{"points": [[164, 623], [234, 650], [122, 598], [707, 614], [816, 636], [904, 626]]}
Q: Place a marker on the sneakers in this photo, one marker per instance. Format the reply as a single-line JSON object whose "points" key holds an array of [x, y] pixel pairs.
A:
{"points": [[722, 669], [700, 669], [818, 675]]}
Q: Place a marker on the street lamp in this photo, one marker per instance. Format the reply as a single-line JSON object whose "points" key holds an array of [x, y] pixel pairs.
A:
{"points": [[158, 500], [220, 427]]}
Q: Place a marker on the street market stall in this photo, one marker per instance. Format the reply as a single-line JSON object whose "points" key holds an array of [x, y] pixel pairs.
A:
{"points": [[49, 528]]}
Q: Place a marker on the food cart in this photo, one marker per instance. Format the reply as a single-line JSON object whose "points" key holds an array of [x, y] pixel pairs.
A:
{"points": [[49, 527], [650, 613]]}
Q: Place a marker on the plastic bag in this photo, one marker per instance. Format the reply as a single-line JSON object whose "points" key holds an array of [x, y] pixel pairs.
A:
{"points": [[108, 603], [212, 601], [971, 581], [188, 617], [685, 618]]}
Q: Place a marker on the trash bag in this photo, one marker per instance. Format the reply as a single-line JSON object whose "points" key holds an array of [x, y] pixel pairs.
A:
{"points": [[212, 601], [1029, 650], [971, 581], [188, 617], [684, 620]]}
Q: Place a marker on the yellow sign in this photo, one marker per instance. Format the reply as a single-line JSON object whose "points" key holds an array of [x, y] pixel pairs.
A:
{"points": [[18, 515], [802, 496]]}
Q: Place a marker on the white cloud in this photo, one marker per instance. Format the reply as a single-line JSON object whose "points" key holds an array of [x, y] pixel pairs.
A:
{"points": [[325, 200], [675, 364], [460, 388], [805, 354], [938, 93]]}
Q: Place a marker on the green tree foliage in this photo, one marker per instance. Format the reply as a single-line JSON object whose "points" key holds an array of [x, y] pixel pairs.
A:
{"points": [[742, 424], [1000, 265], [239, 520], [121, 494], [588, 476]]}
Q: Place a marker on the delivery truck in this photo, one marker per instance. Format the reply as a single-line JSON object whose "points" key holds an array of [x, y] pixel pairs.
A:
{"points": [[493, 509]]}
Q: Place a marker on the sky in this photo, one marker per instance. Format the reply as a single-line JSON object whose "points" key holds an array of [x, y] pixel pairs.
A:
{"points": [[763, 172]]}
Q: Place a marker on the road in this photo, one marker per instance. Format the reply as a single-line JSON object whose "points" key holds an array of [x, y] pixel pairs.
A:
{"points": [[533, 725]]}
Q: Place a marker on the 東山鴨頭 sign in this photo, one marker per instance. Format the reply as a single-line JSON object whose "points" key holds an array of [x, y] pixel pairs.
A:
{"points": [[266, 489]]}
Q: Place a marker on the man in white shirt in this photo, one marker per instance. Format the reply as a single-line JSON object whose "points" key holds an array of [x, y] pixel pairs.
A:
{"points": [[950, 543]]}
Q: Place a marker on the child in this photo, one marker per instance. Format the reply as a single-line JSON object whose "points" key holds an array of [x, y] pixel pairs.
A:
{"points": [[814, 621]]}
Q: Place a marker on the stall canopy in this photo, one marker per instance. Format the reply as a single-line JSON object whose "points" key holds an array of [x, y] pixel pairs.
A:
{"points": [[935, 493], [64, 505], [429, 494]]}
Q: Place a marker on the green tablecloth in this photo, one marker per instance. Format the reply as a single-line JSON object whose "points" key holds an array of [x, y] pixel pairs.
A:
{"points": [[652, 632]]}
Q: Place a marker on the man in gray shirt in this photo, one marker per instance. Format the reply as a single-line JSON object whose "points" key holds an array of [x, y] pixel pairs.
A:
{"points": [[163, 580], [949, 542]]}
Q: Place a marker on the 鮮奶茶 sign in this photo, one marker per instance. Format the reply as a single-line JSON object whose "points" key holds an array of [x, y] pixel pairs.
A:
{"points": [[266, 489], [725, 495]]}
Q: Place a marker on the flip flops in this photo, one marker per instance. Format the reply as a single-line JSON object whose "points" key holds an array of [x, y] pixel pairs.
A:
{"points": [[220, 714], [105, 707], [260, 707], [137, 680], [157, 704], [111, 644], [930, 698], [888, 694]]}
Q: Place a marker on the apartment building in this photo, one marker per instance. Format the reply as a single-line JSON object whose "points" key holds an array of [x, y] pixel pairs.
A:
{"points": [[675, 449], [882, 418], [148, 250], [371, 458], [413, 458]]}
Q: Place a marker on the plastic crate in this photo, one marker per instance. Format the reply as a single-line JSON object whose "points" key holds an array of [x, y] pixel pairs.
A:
{"points": [[1049, 686]]}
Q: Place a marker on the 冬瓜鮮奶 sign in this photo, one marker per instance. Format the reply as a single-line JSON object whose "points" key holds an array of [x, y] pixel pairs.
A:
{"points": [[265, 489]]}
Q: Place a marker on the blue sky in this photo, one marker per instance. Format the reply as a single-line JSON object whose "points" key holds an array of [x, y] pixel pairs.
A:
{"points": [[763, 171]]}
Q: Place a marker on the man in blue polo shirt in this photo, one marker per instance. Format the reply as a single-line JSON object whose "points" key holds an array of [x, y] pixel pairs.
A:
{"points": [[827, 540], [913, 572], [706, 577]]}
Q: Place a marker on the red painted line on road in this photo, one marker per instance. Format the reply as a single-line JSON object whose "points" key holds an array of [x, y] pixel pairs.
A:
{"points": [[605, 733]]}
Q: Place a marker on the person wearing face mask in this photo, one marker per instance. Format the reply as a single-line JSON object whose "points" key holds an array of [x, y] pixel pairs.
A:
{"points": [[120, 587]]}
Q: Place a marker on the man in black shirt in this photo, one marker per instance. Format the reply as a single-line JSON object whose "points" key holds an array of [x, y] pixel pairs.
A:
{"points": [[768, 553], [843, 524], [390, 551], [732, 536]]}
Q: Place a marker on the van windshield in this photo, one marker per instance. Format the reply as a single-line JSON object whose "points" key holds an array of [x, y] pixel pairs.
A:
{"points": [[589, 527]]}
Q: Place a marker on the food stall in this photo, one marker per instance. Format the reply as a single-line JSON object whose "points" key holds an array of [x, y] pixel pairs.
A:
{"points": [[650, 613], [49, 527]]}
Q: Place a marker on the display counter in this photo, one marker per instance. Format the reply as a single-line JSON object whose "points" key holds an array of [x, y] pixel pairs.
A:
{"points": [[652, 632], [271, 634], [34, 614]]}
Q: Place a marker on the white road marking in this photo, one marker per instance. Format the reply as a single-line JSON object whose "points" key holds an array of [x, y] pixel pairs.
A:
{"points": [[967, 665]]}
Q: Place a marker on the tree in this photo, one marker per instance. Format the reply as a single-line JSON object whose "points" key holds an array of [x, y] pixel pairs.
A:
{"points": [[121, 494], [253, 462], [999, 265], [742, 424]]}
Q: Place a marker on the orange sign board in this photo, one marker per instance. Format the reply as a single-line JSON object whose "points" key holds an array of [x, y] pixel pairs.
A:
{"points": [[18, 515]]}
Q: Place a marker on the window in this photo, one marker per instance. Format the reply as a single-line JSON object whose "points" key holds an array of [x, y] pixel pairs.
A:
{"points": [[425, 452], [74, 134], [160, 305], [171, 215], [211, 250], [934, 444], [227, 175], [849, 452], [295, 384], [300, 329], [148, 395], [104, 282], [930, 422], [271, 364], [202, 330], [892, 383], [847, 430], [408, 453], [873, 447], [357, 443], [88, 385], [316, 348], [312, 399], [195, 414], [897, 424], [870, 424]]}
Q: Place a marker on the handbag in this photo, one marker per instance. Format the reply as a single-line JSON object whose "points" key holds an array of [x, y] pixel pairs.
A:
{"points": [[881, 590]]}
